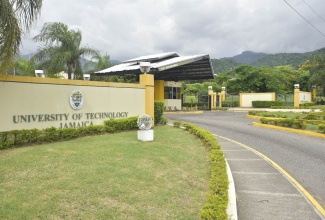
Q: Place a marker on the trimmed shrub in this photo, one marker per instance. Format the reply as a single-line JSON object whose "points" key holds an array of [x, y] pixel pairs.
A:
{"points": [[177, 124], [16, 138], [307, 104], [315, 116], [220, 108], [122, 124], [50, 134], [321, 128], [288, 122], [230, 103], [159, 111], [217, 198], [69, 133], [266, 104], [163, 121], [252, 112]]}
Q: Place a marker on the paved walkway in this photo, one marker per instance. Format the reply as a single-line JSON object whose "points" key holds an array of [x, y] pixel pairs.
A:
{"points": [[262, 191]]}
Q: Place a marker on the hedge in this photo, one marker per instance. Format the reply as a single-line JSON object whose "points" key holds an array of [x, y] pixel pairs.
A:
{"points": [[288, 122], [159, 111], [321, 128], [230, 103], [216, 205], [266, 104], [16, 138], [307, 104], [293, 123], [122, 124]]}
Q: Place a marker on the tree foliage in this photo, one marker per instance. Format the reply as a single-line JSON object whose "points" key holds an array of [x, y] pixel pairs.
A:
{"points": [[24, 67], [316, 67], [200, 88], [99, 62], [16, 17], [263, 79], [61, 50]]}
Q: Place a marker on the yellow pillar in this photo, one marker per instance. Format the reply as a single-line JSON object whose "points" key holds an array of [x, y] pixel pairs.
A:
{"points": [[159, 90], [314, 95], [223, 95], [296, 99], [213, 99], [148, 81]]}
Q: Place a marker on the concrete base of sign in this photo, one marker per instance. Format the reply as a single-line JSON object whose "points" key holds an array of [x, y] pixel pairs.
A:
{"points": [[145, 135]]}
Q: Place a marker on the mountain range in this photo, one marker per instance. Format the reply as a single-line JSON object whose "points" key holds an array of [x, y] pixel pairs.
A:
{"points": [[262, 59], [83, 60], [247, 57]]}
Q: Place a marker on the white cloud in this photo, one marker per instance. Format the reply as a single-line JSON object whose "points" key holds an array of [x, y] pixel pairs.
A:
{"points": [[129, 28]]}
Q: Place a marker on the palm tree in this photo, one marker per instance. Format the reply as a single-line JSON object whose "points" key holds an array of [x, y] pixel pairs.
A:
{"points": [[98, 62], [16, 16], [61, 49], [24, 67]]}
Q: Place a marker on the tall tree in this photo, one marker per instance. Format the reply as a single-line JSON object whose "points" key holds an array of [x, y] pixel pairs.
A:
{"points": [[316, 67], [24, 67], [98, 62], [16, 17], [61, 50]]}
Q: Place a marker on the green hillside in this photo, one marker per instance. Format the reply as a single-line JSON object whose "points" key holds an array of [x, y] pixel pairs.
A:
{"points": [[282, 59], [223, 65], [262, 59]]}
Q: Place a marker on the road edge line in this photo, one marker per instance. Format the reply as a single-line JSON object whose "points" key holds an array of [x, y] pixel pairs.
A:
{"points": [[314, 134], [311, 199]]}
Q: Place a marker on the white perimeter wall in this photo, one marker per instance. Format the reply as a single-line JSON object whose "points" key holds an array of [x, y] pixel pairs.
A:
{"points": [[247, 98], [304, 97], [172, 103], [45, 103]]}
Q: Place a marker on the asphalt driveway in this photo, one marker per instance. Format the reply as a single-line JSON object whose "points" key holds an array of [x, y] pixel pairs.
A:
{"points": [[303, 157]]}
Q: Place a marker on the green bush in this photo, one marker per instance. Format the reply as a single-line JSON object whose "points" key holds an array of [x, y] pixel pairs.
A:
{"points": [[159, 111], [315, 116], [69, 133], [230, 103], [17, 138], [220, 108], [217, 198], [177, 124], [253, 112], [321, 128], [288, 122], [266, 104], [307, 104], [51, 134], [6, 140], [163, 121], [122, 124]]}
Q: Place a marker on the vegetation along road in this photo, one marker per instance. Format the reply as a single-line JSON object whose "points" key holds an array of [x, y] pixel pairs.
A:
{"points": [[303, 157]]}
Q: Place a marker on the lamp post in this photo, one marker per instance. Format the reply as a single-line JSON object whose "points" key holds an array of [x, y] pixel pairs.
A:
{"points": [[39, 73], [86, 77], [145, 67], [148, 81], [296, 98]]}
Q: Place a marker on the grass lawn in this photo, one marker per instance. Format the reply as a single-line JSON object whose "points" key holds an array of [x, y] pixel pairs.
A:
{"points": [[111, 176]]}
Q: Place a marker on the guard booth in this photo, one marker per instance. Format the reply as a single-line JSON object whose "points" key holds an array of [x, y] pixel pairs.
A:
{"points": [[168, 70]]}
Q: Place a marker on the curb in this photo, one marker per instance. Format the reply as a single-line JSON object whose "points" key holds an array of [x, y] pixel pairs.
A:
{"points": [[181, 112], [232, 202], [309, 133]]}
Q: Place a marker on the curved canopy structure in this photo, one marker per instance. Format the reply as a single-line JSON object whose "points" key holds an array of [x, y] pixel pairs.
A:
{"points": [[166, 66]]}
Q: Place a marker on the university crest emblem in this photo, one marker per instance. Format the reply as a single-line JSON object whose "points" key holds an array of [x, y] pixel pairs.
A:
{"points": [[76, 99]]}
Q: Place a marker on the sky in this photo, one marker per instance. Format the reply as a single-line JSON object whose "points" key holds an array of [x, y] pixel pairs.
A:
{"points": [[126, 29]]}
